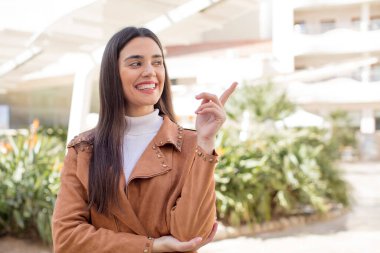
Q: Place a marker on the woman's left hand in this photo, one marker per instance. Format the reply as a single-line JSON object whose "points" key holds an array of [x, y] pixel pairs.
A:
{"points": [[210, 117], [171, 244]]}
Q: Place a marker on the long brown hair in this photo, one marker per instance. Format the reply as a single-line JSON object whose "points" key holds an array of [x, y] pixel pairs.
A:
{"points": [[106, 163]]}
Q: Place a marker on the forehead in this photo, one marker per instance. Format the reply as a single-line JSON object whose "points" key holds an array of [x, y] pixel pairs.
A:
{"points": [[140, 46]]}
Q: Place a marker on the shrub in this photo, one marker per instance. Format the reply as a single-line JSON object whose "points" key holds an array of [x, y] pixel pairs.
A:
{"points": [[29, 172], [273, 172]]}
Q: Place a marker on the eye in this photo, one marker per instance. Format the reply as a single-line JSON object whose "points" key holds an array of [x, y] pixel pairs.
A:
{"points": [[135, 64], [157, 63]]}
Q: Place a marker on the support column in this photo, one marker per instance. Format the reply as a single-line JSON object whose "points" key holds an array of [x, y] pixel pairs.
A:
{"points": [[367, 123], [364, 27], [81, 97], [364, 17], [282, 35], [366, 70], [265, 19], [368, 147]]}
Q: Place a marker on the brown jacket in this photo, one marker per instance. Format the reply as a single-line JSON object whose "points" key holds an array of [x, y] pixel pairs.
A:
{"points": [[171, 191]]}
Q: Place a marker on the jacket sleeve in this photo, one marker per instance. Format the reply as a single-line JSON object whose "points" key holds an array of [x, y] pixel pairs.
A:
{"points": [[71, 229], [195, 211]]}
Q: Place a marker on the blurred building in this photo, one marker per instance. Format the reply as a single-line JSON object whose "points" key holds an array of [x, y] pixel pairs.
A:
{"points": [[324, 52], [336, 45], [51, 50]]}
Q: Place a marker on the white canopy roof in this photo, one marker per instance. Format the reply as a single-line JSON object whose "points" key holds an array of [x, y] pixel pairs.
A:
{"points": [[37, 35]]}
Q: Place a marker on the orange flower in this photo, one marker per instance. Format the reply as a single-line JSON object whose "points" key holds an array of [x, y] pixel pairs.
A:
{"points": [[5, 148], [33, 133], [8, 147], [34, 126]]}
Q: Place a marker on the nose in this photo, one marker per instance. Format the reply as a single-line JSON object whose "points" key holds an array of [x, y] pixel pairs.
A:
{"points": [[149, 70]]}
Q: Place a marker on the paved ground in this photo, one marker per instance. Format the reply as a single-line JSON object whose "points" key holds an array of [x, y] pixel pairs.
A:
{"points": [[357, 231]]}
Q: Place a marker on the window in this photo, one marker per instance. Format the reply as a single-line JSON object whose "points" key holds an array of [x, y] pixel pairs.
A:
{"points": [[300, 27], [375, 73], [355, 23], [4, 116], [300, 67], [377, 123], [374, 23], [327, 25], [377, 120]]}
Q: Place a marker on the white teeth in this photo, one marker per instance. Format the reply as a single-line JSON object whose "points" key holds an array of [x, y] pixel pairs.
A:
{"points": [[146, 86]]}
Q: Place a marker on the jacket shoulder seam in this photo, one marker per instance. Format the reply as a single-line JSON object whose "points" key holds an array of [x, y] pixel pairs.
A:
{"points": [[86, 138]]}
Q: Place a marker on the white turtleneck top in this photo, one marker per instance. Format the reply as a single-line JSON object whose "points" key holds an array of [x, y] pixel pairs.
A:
{"points": [[140, 131]]}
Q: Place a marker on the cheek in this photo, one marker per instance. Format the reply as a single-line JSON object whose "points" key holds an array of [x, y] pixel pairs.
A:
{"points": [[127, 79], [127, 86], [162, 75]]}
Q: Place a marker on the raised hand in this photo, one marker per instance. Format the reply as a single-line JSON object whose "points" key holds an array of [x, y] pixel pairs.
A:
{"points": [[210, 117]]}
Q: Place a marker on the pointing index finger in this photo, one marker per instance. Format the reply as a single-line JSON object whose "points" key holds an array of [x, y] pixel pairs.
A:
{"points": [[227, 93]]}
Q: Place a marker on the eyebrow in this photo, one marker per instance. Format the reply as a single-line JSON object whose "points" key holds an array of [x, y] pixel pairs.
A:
{"points": [[141, 57]]}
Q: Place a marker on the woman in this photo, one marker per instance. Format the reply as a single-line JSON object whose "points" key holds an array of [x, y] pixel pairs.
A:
{"points": [[138, 182]]}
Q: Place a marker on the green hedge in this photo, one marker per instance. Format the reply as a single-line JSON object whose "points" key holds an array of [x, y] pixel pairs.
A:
{"points": [[29, 173], [274, 172], [277, 175]]}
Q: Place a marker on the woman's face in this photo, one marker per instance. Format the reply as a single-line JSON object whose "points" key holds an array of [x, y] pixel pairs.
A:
{"points": [[142, 73]]}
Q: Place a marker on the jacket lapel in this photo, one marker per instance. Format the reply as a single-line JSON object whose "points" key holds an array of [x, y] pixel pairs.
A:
{"points": [[125, 212], [153, 162]]}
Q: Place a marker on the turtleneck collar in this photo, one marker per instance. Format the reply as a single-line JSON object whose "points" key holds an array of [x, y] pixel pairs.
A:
{"points": [[146, 124]]}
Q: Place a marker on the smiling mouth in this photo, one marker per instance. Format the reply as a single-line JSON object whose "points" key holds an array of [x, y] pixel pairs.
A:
{"points": [[150, 86]]}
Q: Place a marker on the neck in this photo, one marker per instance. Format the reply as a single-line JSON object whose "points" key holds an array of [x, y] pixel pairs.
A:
{"points": [[141, 111], [149, 123]]}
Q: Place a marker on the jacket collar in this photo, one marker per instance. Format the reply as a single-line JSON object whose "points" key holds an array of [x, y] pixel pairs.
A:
{"points": [[154, 161], [169, 132]]}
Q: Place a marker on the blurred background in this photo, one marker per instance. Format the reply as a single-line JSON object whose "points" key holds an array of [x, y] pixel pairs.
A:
{"points": [[325, 53], [307, 112]]}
